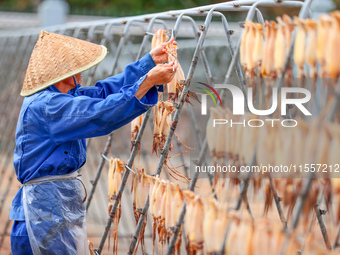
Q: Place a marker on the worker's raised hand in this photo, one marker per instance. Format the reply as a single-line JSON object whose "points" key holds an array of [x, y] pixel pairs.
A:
{"points": [[162, 74], [159, 53]]}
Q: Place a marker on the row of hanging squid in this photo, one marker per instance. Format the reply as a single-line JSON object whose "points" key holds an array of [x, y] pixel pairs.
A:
{"points": [[264, 49], [263, 53], [207, 219], [316, 143]]}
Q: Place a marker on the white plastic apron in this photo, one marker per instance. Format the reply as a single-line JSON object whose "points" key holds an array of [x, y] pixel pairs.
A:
{"points": [[55, 215]]}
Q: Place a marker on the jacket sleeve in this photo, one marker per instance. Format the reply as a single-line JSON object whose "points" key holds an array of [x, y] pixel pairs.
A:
{"points": [[72, 118], [132, 73]]}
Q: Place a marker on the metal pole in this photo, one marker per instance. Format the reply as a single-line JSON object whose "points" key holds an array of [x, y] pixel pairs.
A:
{"points": [[8, 220], [278, 204], [300, 204], [99, 170], [336, 242], [123, 184], [123, 40], [322, 225], [102, 42]]}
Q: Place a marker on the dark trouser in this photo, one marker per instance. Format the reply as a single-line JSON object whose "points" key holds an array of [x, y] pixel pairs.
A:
{"points": [[20, 244]]}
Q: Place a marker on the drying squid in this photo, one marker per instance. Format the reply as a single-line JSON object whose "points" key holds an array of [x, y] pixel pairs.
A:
{"points": [[135, 127], [160, 36], [140, 189], [258, 46], [239, 240], [214, 225], [289, 28], [91, 248], [157, 207], [166, 200], [162, 124], [311, 47], [114, 180], [175, 86], [300, 46], [155, 193], [161, 227], [243, 47], [280, 46], [269, 195], [251, 62], [323, 30], [332, 51], [194, 224], [210, 215], [176, 207], [268, 70]]}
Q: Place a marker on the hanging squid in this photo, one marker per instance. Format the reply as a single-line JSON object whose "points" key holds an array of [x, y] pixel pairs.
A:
{"points": [[114, 181], [140, 186]]}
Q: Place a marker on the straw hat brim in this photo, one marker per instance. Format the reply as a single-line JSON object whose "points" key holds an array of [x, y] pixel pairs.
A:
{"points": [[67, 75]]}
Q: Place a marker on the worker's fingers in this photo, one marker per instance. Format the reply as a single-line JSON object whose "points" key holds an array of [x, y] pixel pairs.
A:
{"points": [[169, 65], [176, 65], [172, 66], [171, 40]]}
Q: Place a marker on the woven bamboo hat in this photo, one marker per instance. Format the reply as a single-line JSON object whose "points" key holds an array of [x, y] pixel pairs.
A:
{"points": [[57, 57]]}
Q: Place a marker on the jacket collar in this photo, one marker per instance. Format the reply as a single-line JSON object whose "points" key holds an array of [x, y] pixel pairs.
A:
{"points": [[74, 91]]}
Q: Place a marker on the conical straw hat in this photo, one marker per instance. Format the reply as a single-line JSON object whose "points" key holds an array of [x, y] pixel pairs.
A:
{"points": [[57, 57]]}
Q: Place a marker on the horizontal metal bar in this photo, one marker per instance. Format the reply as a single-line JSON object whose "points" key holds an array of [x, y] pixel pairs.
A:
{"points": [[142, 18], [272, 3]]}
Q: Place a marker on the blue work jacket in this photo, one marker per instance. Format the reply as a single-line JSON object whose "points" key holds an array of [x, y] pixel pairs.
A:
{"points": [[52, 126]]}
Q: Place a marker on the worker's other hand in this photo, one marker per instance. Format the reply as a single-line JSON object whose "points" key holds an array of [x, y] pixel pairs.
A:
{"points": [[162, 74], [159, 54]]}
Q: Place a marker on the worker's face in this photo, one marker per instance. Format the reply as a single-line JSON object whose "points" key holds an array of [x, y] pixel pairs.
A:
{"points": [[69, 82], [65, 85]]}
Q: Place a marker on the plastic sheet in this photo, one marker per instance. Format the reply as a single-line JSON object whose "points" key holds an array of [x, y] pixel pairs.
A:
{"points": [[55, 217]]}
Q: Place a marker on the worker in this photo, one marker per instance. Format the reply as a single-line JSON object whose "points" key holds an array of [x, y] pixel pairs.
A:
{"points": [[55, 119]]}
